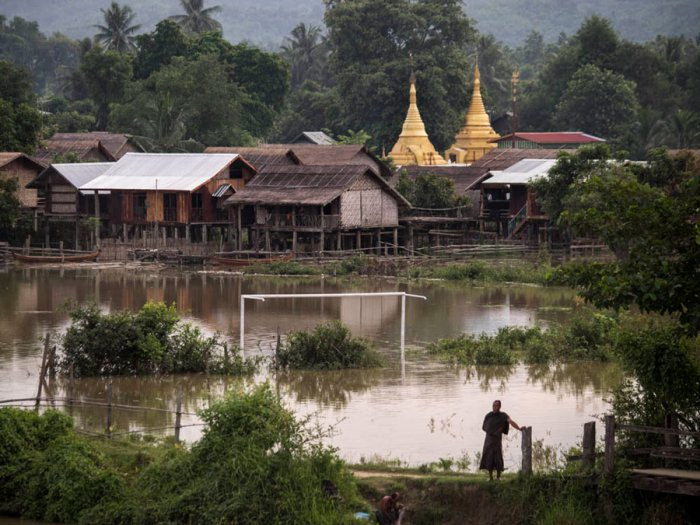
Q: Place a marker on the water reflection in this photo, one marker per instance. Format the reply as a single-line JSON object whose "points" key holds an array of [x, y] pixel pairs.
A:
{"points": [[389, 411]]}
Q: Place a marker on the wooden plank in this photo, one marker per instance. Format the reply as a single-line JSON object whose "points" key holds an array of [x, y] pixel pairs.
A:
{"points": [[666, 485], [609, 461], [657, 430], [692, 475]]}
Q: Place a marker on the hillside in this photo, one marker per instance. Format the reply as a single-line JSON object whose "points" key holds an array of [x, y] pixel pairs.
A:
{"points": [[267, 22]]}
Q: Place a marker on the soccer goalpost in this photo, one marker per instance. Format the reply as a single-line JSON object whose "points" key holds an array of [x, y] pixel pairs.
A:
{"points": [[263, 297]]}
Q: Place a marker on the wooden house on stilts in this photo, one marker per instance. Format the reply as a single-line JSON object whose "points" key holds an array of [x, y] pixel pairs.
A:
{"points": [[315, 208], [173, 195]]}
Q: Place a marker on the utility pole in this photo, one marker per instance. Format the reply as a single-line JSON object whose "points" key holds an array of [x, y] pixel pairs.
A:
{"points": [[514, 84]]}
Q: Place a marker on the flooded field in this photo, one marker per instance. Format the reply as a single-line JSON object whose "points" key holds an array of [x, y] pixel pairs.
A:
{"points": [[413, 409]]}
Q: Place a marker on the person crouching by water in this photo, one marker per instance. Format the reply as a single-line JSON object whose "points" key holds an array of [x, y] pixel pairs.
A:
{"points": [[390, 510], [495, 425]]}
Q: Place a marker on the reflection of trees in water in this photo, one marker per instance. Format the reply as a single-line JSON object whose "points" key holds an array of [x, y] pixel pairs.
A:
{"points": [[490, 377], [575, 378], [198, 391], [330, 388]]}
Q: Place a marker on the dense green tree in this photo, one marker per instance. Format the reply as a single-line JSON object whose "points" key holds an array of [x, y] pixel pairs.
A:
{"points": [[309, 107], [647, 215], [9, 206], [107, 75], [117, 33], [156, 49], [374, 48], [496, 71], [682, 129], [429, 191], [197, 19], [601, 103], [20, 121], [196, 92]]}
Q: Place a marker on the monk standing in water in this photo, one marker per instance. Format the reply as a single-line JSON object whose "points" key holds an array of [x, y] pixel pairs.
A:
{"points": [[495, 425]]}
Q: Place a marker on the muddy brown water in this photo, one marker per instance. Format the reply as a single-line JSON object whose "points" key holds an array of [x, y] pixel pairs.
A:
{"points": [[414, 409]]}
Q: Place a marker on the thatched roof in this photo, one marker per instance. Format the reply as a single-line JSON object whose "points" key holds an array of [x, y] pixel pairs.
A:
{"points": [[115, 143], [7, 157], [305, 185], [80, 146], [261, 158]]}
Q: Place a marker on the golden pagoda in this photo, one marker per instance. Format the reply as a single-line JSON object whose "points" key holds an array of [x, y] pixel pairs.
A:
{"points": [[413, 145], [474, 139]]}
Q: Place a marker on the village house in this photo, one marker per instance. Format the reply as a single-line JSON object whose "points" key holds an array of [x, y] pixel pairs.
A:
{"points": [[318, 138], [315, 208], [173, 195], [15, 165], [65, 205], [95, 146], [508, 202]]}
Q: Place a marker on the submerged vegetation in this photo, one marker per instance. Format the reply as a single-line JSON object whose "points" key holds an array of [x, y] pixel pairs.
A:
{"points": [[254, 464], [151, 341], [588, 336], [329, 347]]}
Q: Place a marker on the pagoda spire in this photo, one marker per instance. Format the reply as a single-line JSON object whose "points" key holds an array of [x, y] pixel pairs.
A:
{"points": [[413, 145], [474, 139]]}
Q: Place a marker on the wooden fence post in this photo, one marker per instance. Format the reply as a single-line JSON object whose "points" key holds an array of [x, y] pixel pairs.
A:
{"points": [[178, 414], [671, 440], [42, 372], [609, 444], [526, 447], [109, 410], [589, 445]]}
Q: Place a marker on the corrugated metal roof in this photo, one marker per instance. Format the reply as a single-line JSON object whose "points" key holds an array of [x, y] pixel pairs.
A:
{"points": [[313, 137], [80, 146], [112, 142], [221, 190], [162, 171], [553, 137], [82, 173], [500, 159], [260, 158], [521, 173]]}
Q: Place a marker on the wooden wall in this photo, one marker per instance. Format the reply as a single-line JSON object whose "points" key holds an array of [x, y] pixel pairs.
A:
{"points": [[24, 172], [366, 204]]}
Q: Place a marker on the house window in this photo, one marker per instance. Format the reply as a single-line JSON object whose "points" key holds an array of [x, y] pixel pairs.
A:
{"points": [[170, 207], [197, 207], [236, 171], [139, 206]]}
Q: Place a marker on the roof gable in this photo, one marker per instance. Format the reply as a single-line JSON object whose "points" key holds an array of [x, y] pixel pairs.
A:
{"points": [[8, 157], [552, 137]]}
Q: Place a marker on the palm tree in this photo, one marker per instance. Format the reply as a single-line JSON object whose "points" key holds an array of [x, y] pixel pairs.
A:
{"points": [[305, 51], [683, 129], [117, 33], [197, 19]]}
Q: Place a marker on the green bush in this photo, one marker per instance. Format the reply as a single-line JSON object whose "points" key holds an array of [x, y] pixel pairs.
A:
{"points": [[588, 336], [152, 340], [255, 463], [284, 268], [329, 347]]}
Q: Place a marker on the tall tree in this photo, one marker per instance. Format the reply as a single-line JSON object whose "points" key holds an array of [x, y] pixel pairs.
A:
{"points": [[601, 103], [374, 47], [197, 19], [107, 75], [157, 49], [20, 121], [117, 33], [306, 52]]}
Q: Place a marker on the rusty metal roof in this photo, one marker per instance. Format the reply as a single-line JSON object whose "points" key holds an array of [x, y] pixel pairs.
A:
{"points": [[501, 159], [7, 157], [114, 143]]}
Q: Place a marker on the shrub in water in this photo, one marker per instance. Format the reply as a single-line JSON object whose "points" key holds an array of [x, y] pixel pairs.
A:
{"points": [[153, 340], [329, 347]]}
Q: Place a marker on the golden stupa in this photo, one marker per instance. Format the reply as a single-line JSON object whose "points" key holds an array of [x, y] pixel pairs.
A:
{"points": [[474, 139], [413, 145]]}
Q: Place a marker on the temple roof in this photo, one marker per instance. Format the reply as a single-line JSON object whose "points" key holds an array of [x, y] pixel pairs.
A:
{"points": [[413, 145]]}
